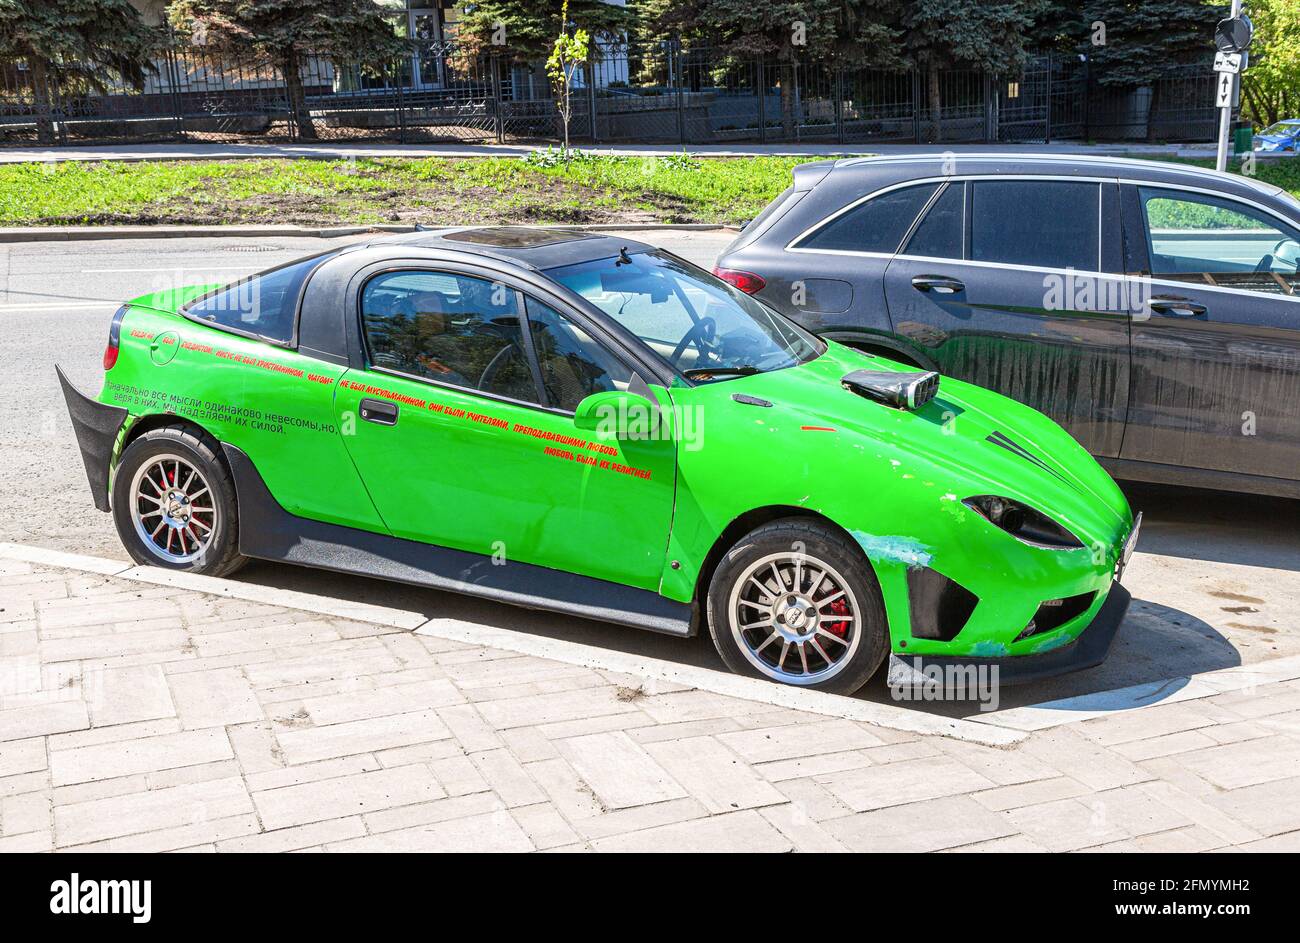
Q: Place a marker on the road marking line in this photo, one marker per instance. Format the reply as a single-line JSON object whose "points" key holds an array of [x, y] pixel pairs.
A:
{"points": [[173, 268], [574, 653], [57, 305]]}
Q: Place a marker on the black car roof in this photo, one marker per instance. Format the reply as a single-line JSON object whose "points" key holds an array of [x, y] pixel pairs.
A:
{"points": [[532, 247]]}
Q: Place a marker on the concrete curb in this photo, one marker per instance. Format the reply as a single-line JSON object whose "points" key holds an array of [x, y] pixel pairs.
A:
{"points": [[72, 233]]}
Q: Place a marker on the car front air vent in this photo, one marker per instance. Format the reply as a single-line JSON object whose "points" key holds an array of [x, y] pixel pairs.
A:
{"points": [[900, 390]]}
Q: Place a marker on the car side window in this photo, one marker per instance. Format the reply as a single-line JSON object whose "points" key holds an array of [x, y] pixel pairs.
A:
{"points": [[1208, 239], [878, 225], [1047, 223], [264, 305], [454, 329], [940, 234], [573, 364]]}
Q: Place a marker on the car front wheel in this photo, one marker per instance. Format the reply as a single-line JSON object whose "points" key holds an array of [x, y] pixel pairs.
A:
{"points": [[174, 503], [793, 601]]}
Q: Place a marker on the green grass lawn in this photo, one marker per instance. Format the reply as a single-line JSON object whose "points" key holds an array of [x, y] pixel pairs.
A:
{"points": [[434, 191]]}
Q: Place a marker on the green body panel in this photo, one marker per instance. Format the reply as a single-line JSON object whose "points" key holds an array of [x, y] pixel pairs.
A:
{"points": [[486, 475], [275, 404], [494, 477], [895, 481]]}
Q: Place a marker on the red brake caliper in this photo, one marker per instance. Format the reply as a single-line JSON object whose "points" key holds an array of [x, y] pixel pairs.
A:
{"points": [[840, 608]]}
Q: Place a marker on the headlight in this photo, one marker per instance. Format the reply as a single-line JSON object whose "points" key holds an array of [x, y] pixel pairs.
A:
{"points": [[1023, 522]]}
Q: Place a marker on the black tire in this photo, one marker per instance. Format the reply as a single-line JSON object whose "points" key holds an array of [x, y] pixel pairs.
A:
{"points": [[219, 556], [819, 546]]}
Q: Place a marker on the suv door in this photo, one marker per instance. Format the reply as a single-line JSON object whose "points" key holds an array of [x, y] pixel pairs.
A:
{"points": [[462, 429], [1015, 284], [1216, 358]]}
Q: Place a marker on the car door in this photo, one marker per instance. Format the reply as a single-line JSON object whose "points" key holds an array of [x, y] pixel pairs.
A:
{"points": [[1216, 354], [1015, 284], [461, 425]]}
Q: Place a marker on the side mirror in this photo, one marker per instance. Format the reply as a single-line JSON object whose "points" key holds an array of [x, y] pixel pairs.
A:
{"points": [[615, 414]]}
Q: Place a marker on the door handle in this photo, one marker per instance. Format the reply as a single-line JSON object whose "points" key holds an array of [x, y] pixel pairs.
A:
{"points": [[378, 411], [939, 284], [1177, 307]]}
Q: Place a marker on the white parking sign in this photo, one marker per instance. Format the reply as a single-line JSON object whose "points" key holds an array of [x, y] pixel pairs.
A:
{"points": [[1229, 62]]}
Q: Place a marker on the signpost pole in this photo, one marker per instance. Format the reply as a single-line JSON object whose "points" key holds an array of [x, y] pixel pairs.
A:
{"points": [[1225, 110]]}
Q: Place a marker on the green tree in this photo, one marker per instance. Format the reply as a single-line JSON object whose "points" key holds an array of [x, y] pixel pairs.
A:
{"points": [[570, 52], [74, 43], [1270, 85], [525, 30], [287, 32], [991, 36], [782, 32], [1143, 38]]}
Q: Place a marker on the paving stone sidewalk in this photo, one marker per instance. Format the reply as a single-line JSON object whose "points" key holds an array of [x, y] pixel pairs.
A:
{"points": [[148, 718]]}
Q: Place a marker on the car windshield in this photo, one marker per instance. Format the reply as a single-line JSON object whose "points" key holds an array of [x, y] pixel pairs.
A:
{"points": [[704, 328]]}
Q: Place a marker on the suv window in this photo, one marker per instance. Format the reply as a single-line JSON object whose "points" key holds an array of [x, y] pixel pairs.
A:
{"points": [[454, 329], [573, 364], [1208, 238], [878, 225], [1048, 223], [263, 305], [940, 234]]}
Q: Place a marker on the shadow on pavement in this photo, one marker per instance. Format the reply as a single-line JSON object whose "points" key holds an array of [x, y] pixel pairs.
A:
{"points": [[1243, 529], [1155, 642]]}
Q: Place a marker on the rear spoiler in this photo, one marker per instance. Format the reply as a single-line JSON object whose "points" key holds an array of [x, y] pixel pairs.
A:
{"points": [[807, 176]]}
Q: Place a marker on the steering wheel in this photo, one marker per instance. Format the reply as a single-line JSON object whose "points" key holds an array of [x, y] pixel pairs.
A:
{"points": [[1277, 256], [701, 335], [504, 356]]}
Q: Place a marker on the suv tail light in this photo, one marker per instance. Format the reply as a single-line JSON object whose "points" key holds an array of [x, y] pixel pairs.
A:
{"points": [[747, 282], [114, 337]]}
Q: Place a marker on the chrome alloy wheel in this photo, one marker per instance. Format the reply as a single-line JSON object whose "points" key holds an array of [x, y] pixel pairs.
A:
{"points": [[173, 509], [795, 618]]}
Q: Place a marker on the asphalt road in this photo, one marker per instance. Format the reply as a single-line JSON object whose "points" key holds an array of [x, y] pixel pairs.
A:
{"points": [[1216, 579]]}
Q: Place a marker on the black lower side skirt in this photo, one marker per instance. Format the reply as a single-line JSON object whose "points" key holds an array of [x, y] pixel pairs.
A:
{"points": [[269, 532]]}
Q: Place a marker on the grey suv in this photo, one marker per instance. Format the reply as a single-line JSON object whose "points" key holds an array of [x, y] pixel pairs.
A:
{"points": [[1149, 308]]}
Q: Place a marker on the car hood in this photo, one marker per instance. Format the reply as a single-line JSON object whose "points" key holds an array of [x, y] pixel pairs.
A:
{"points": [[966, 441]]}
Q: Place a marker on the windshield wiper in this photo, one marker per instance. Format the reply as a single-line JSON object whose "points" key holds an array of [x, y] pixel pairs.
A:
{"points": [[700, 373]]}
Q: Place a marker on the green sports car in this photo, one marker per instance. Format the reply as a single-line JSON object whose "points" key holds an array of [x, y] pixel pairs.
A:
{"points": [[567, 421]]}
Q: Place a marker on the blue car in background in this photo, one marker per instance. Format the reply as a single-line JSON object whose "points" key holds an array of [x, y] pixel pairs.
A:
{"points": [[1279, 138]]}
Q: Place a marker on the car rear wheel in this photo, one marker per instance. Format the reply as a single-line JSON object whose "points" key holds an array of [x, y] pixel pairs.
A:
{"points": [[174, 503], [794, 602]]}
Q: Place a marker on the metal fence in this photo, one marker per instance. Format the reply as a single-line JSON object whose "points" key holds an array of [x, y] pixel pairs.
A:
{"points": [[642, 93]]}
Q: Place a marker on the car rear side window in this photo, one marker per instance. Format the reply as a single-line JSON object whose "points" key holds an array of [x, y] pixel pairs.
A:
{"points": [[264, 305], [940, 234], [1047, 223], [877, 225], [454, 329]]}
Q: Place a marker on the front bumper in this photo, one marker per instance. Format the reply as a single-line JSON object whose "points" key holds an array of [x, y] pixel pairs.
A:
{"points": [[96, 426], [1087, 651]]}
